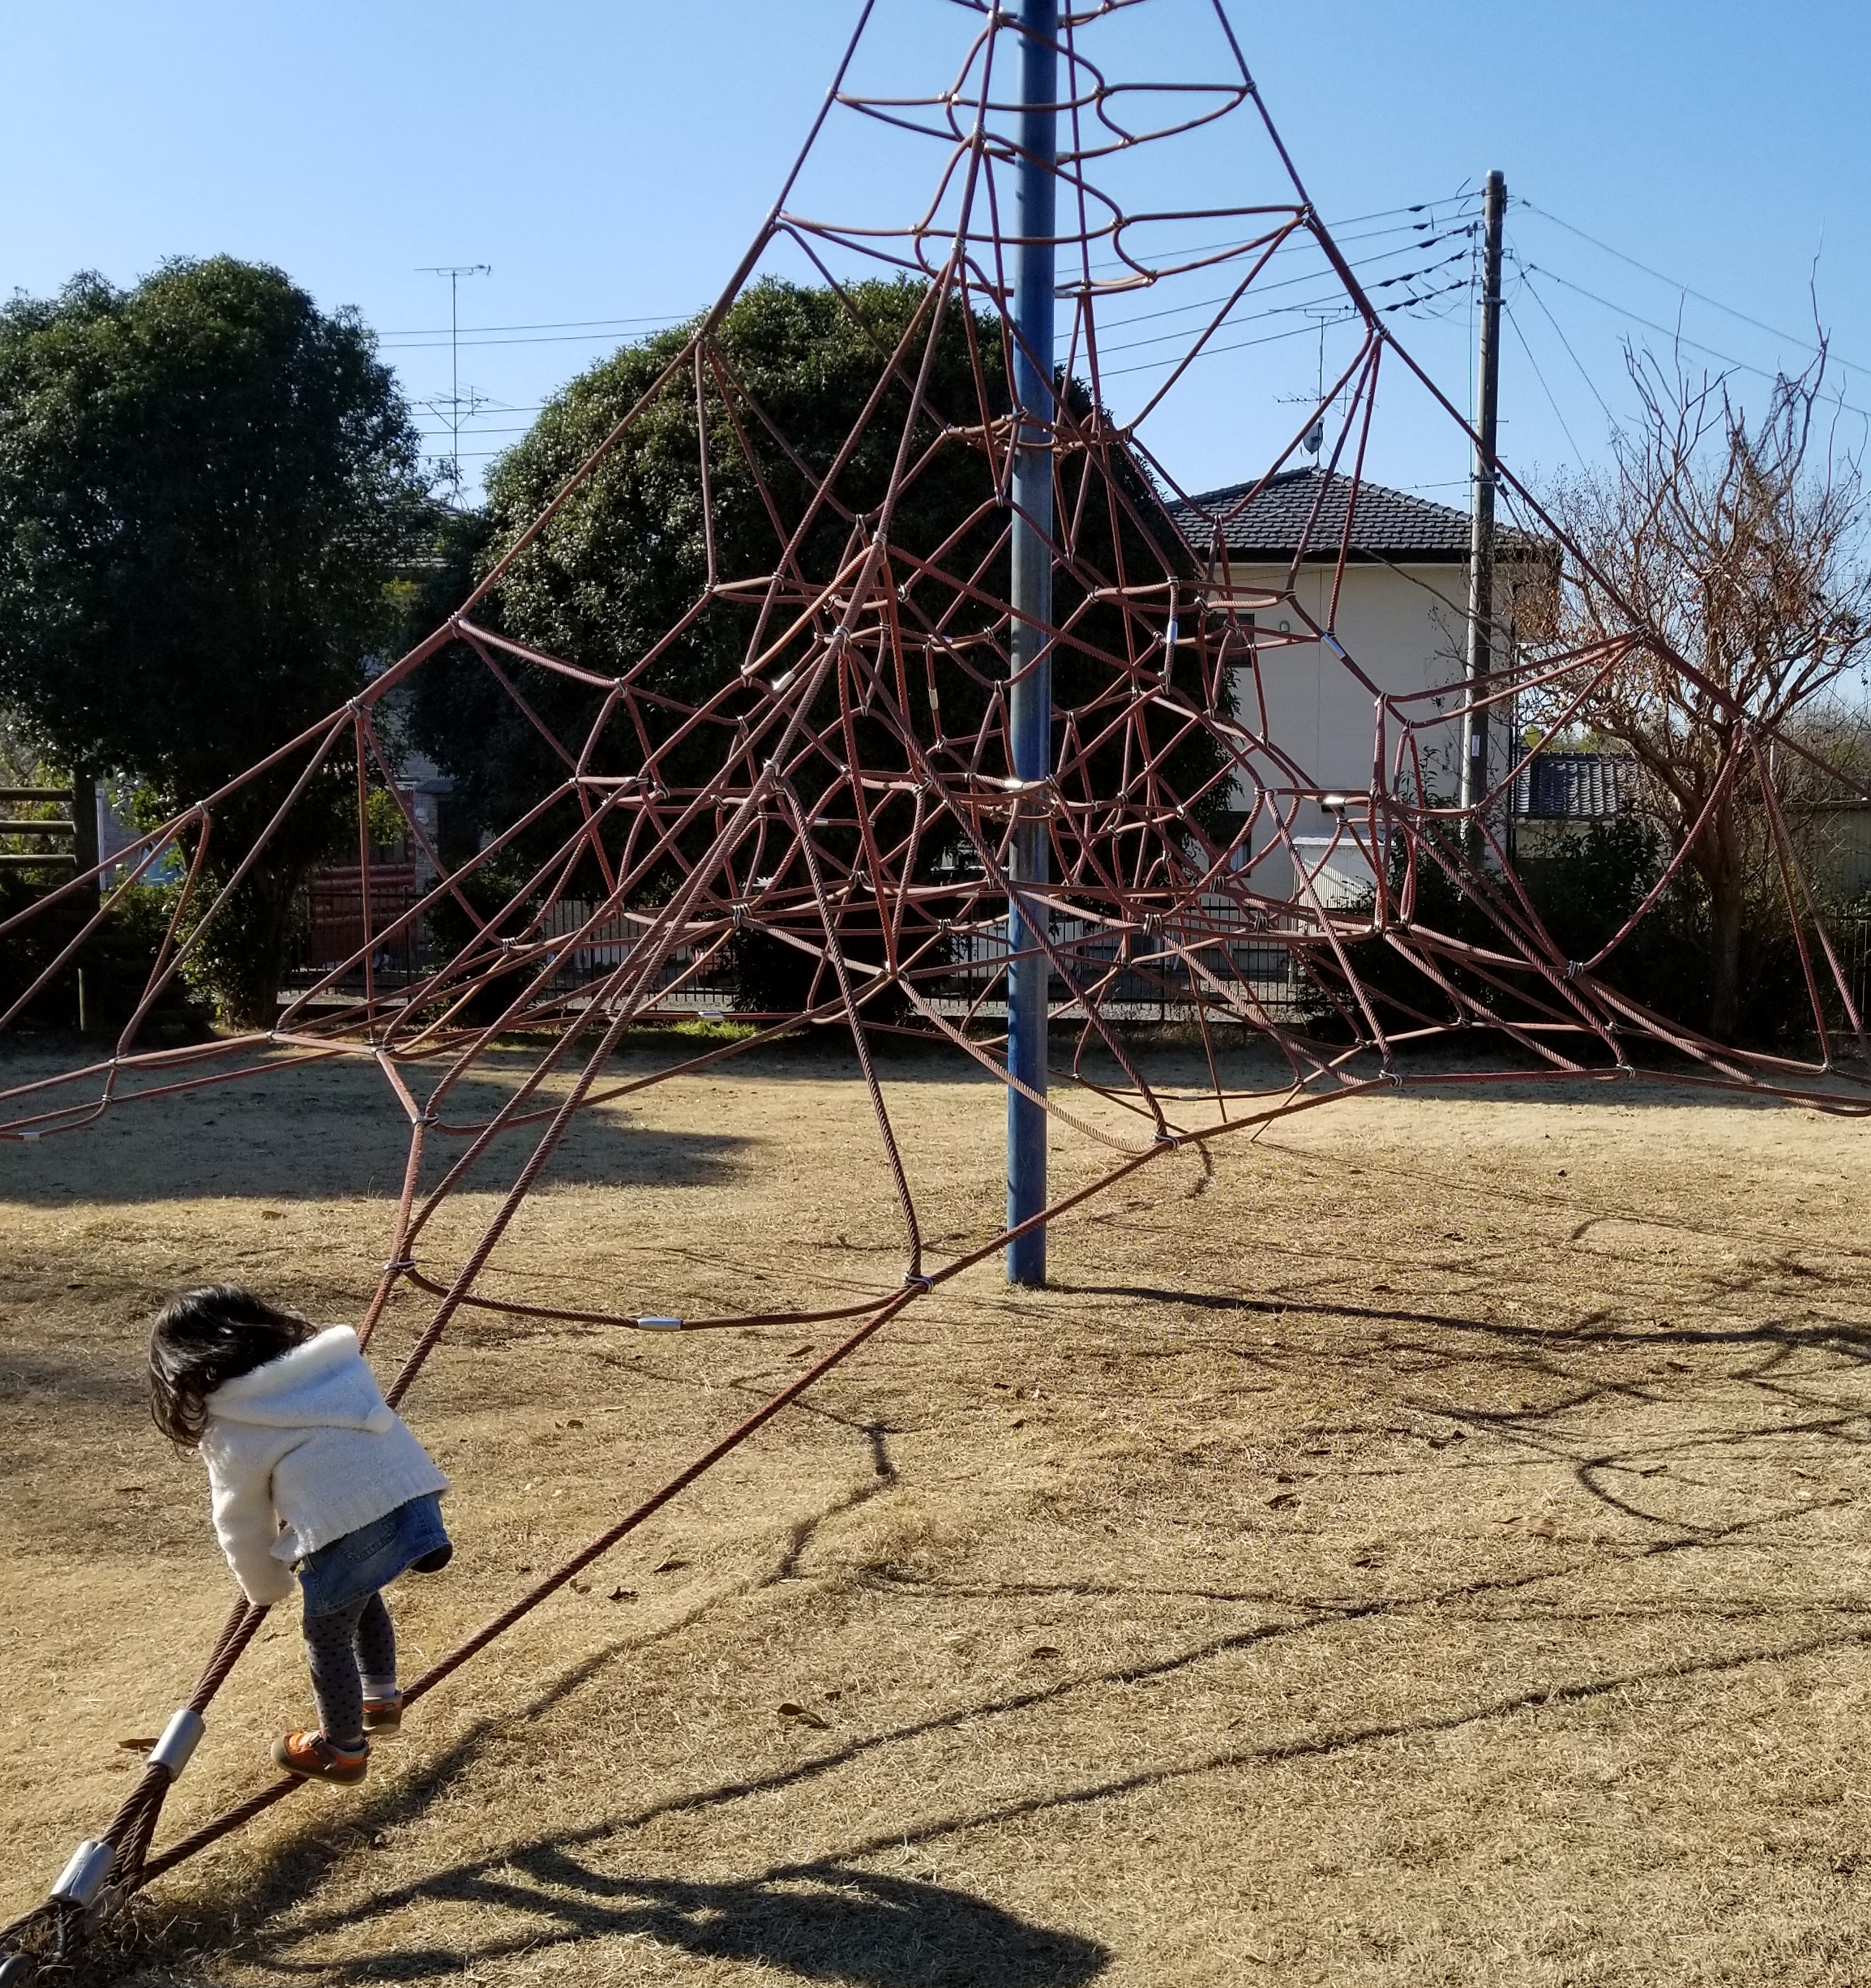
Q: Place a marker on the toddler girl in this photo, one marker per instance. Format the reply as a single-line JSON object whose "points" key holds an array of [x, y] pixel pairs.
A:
{"points": [[308, 1470]]}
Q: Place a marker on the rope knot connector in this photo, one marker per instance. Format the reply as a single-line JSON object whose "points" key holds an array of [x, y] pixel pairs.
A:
{"points": [[916, 1281]]}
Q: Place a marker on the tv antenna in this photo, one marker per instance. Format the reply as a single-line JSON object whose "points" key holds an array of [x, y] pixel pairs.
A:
{"points": [[451, 407], [1314, 439]]}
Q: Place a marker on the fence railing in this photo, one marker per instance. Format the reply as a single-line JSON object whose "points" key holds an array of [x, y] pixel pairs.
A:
{"points": [[1144, 970], [612, 940]]}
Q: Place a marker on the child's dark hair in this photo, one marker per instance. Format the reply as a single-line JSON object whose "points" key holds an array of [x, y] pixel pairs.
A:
{"points": [[203, 1337]]}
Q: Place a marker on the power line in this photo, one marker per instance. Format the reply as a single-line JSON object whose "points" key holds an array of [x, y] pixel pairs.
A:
{"points": [[525, 428], [1591, 385], [455, 414], [1578, 454], [1279, 283], [1331, 227], [1702, 297], [565, 338], [454, 272], [559, 324], [1727, 358], [1148, 365], [1334, 292], [577, 330]]}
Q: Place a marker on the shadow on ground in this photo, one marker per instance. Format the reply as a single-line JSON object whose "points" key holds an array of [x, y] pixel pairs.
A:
{"points": [[830, 1917], [823, 1923], [292, 1139]]}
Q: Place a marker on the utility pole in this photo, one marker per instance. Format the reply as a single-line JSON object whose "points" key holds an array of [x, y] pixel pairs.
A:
{"points": [[1475, 774], [1029, 698], [454, 272]]}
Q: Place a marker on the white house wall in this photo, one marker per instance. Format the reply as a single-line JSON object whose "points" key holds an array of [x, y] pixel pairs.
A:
{"points": [[1403, 628]]}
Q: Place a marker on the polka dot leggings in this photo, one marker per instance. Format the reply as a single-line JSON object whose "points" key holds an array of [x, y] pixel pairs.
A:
{"points": [[348, 1650]]}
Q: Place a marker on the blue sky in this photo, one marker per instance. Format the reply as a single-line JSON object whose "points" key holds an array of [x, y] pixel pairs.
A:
{"points": [[611, 161]]}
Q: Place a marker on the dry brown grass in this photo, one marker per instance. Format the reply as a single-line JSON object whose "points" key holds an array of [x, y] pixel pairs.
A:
{"points": [[1428, 1553]]}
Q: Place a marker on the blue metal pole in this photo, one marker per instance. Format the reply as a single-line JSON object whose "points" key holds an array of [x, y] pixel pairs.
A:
{"points": [[1031, 695]]}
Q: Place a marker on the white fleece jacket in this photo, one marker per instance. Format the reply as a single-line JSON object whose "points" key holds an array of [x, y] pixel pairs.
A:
{"points": [[300, 1452]]}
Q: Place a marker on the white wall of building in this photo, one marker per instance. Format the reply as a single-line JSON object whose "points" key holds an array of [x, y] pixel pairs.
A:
{"points": [[1402, 626]]}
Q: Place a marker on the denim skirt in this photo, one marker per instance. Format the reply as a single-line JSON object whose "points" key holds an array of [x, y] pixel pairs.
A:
{"points": [[351, 1568]]}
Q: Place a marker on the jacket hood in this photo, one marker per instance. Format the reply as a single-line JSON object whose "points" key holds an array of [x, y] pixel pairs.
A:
{"points": [[324, 1383]]}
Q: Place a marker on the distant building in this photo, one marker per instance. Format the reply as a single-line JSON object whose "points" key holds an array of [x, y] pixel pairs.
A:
{"points": [[1402, 618], [1559, 794]]}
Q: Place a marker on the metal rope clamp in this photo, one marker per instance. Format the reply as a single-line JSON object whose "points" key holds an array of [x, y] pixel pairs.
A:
{"points": [[81, 1883], [82, 1879], [180, 1738]]}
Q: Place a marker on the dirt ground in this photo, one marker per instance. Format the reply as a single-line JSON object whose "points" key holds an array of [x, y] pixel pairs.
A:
{"points": [[1433, 1550]]}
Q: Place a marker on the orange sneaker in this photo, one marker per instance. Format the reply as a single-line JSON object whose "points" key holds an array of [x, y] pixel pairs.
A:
{"points": [[383, 1714], [314, 1758]]}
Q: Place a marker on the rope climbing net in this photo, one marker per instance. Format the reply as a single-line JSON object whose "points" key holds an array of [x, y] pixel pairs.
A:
{"points": [[798, 784]]}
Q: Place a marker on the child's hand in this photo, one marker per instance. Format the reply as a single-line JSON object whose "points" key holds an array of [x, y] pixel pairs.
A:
{"points": [[268, 1596]]}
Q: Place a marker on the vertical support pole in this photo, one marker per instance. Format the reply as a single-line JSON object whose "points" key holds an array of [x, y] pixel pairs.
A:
{"points": [[1031, 698], [84, 821], [1475, 773]]}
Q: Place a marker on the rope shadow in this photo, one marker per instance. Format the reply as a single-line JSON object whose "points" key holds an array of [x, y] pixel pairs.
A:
{"points": [[1591, 1332], [1324, 1746], [819, 1922]]}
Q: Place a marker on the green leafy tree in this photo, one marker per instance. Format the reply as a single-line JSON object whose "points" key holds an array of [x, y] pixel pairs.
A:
{"points": [[208, 488], [628, 554]]}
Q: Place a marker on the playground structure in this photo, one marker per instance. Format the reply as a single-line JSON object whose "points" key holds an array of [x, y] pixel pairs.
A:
{"points": [[978, 789]]}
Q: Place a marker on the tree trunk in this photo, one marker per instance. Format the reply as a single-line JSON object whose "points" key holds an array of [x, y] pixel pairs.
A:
{"points": [[255, 935], [1726, 919]]}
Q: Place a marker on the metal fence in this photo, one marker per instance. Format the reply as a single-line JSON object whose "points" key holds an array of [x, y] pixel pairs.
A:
{"points": [[1135, 975], [612, 940], [1133, 972]]}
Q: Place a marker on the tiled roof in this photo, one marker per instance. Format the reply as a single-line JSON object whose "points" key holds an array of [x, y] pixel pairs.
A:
{"points": [[1386, 523], [1576, 786]]}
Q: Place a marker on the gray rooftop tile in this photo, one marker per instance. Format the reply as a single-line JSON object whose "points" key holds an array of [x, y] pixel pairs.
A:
{"points": [[1386, 523]]}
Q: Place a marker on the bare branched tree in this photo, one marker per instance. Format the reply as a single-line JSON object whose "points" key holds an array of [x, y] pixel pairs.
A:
{"points": [[1742, 545]]}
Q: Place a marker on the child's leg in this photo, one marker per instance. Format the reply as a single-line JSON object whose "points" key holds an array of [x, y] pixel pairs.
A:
{"points": [[375, 1642], [329, 1640]]}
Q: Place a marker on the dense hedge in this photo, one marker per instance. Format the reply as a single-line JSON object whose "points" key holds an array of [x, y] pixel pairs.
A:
{"points": [[1583, 890]]}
